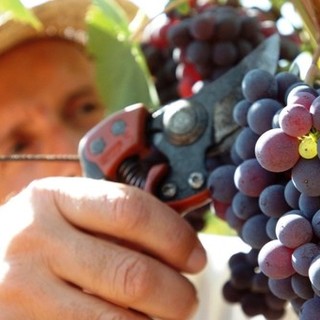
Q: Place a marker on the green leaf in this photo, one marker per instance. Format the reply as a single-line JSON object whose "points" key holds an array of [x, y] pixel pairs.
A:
{"points": [[123, 78], [14, 9], [182, 6], [110, 17]]}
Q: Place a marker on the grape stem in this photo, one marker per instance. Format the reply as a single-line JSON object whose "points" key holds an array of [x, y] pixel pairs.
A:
{"points": [[313, 71]]}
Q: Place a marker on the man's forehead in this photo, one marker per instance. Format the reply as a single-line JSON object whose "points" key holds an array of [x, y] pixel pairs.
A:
{"points": [[45, 44]]}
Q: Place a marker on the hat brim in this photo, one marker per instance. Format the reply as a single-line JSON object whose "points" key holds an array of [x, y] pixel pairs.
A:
{"points": [[61, 18]]}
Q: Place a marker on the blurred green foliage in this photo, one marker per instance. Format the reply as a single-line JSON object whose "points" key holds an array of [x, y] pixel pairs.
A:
{"points": [[13, 9], [216, 225]]}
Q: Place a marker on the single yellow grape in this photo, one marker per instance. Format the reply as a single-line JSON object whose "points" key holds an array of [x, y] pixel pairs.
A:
{"points": [[308, 147]]}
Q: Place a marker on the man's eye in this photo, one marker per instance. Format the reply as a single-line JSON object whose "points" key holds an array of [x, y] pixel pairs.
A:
{"points": [[20, 146], [87, 108], [79, 110]]}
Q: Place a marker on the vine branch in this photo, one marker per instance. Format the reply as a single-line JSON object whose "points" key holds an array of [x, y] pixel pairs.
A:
{"points": [[39, 157]]}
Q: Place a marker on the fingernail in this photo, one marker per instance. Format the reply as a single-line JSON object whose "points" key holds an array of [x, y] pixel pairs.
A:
{"points": [[197, 259]]}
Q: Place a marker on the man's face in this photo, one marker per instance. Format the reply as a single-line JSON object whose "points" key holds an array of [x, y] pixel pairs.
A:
{"points": [[48, 101]]}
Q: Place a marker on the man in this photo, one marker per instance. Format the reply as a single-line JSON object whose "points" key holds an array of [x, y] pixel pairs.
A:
{"points": [[76, 248]]}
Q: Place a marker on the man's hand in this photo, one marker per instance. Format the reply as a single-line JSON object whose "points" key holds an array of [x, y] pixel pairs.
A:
{"points": [[77, 248]]}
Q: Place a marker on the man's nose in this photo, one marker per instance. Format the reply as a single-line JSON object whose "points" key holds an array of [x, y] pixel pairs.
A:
{"points": [[61, 140]]}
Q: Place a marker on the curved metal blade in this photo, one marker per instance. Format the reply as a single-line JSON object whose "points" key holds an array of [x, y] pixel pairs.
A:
{"points": [[220, 96]]}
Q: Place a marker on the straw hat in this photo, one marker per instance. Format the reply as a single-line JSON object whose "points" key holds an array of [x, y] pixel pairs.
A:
{"points": [[63, 18], [119, 87]]}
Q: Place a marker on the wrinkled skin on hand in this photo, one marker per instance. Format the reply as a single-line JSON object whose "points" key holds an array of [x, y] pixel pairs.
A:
{"points": [[77, 248]]}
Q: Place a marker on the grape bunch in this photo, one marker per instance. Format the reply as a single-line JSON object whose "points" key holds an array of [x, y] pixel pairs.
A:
{"points": [[250, 287], [186, 51], [296, 241], [271, 196]]}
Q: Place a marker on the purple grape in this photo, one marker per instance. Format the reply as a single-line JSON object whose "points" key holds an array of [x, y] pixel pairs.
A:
{"points": [[202, 26], [303, 256], [284, 81], [258, 84], [308, 205], [297, 92], [282, 288], [288, 48], [274, 302], [271, 228], [250, 178], [237, 258], [254, 231], [275, 314], [241, 276], [292, 195], [198, 52], [298, 88], [228, 25], [261, 113], [295, 120], [221, 183], [244, 47], [302, 98], [272, 201], [316, 223], [310, 310], [240, 112], [244, 206], [253, 304], [276, 151], [179, 34], [252, 257], [293, 230], [275, 120], [275, 260], [224, 53], [232, 294], [236, 159], [301, 285], [233, 221], [314, 273], [306, 176], [296, 304], [249, 27], [245, 143], [316, 291], [315, 112], [260, 283]]}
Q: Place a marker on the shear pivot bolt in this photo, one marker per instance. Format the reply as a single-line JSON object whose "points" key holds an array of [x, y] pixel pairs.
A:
{"points": [[184, 122], [169, 190], [196, 180]]}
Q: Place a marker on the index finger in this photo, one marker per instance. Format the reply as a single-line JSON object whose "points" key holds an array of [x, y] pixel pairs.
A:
{"points": [[129, 214]]}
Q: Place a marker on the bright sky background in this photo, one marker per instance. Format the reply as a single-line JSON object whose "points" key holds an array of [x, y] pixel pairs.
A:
{"points": [[153, 7], [150, 7]]}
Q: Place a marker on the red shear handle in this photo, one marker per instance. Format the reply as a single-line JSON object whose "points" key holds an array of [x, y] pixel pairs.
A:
{"points": [[116, 138], [196, 201]]}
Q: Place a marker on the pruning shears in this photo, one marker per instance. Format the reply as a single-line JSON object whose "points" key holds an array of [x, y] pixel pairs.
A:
{"points": [[165, 152]]}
